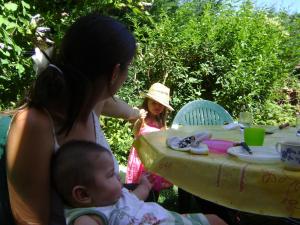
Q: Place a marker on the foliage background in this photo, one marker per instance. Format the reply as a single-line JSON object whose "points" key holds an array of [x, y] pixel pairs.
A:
{"points": [[243, 58]]}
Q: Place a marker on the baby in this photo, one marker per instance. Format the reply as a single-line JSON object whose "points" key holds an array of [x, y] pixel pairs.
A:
{"points": [[83, 175]]}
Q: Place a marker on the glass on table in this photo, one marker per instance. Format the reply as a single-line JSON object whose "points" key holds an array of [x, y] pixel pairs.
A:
{"points": [[245, 119], [254, 136]]}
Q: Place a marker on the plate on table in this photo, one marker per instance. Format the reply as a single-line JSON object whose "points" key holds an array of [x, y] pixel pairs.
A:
{"points": [[260, 154], [191, 144], [173, 143]]}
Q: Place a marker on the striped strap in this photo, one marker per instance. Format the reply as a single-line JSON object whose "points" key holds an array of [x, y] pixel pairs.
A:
{"points": [[73, 214]]}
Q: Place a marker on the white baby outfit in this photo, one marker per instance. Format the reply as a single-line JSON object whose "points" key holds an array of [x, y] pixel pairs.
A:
{"points": [[129, 210]]}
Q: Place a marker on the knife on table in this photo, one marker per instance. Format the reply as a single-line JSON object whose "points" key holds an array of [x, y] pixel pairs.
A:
{"points": [[246, 147]]}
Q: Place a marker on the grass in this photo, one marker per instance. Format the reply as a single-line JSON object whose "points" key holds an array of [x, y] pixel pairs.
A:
{"points": [[168, 198]]}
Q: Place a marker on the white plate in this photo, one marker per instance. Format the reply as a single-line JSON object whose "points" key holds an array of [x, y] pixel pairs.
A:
{"points": [[172, 142], [260, 154]]}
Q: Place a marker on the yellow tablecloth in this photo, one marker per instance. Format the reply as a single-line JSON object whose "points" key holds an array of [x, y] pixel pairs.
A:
{"points": [[224, 179]]}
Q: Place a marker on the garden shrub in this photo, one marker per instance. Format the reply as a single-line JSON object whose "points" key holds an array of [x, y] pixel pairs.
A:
{"points": [[119, 136], [243, 58], [16, 35], [234, 57]]}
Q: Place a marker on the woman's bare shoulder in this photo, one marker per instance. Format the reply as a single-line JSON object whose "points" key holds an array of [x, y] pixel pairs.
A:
{"points": [[32, 129], [32, 118], [30, 134]]}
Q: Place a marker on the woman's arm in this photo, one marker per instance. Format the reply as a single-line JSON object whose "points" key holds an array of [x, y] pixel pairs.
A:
{"points": [[30, 146], [115, 107]]}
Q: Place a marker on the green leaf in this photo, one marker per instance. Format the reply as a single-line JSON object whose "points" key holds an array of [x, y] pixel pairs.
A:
{"points": [[10, 25], [18, 49], [25, 5], [6, 53], [193, 80], [20, 68], [4, 61], [2, 20], [11, 6], [4, 78]]}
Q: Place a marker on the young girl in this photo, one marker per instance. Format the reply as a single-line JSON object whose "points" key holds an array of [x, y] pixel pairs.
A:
{"points": [[156, 104]]}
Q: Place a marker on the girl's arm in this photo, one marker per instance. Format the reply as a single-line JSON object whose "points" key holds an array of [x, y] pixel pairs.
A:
{"points": [[136, 127], [115, 107], [139, 123], [30, 146]]}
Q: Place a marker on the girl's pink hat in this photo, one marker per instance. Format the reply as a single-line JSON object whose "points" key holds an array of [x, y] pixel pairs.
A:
{"points": [[159, 93]]}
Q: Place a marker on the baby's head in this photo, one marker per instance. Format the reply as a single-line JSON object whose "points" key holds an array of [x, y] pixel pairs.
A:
{"points": [[83, 175]]}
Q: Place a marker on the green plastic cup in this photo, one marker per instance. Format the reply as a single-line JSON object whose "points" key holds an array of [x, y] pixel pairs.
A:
{"points": [[254, 136]]}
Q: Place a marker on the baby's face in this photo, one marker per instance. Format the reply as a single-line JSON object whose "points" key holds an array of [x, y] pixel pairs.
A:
{"points": [[106, 189]]}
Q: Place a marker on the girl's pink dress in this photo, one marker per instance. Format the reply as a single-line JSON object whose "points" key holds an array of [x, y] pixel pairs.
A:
{"points": [[135, 168]]}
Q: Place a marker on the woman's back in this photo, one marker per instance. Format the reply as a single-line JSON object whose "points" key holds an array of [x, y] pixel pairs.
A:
{"points": [[30, 145], [32, 138]]}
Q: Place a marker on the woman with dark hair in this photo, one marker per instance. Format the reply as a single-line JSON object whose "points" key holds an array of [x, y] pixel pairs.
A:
{"points": [[65, 103]]}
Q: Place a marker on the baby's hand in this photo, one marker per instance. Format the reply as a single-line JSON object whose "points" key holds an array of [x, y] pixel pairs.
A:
{"points": [[145, 181], [144, 187]]}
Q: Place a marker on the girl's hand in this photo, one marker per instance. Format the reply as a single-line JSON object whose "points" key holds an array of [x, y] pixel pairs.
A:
{"points": [[137, 115], [163, 128], [143, 114], [140, 122]]}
